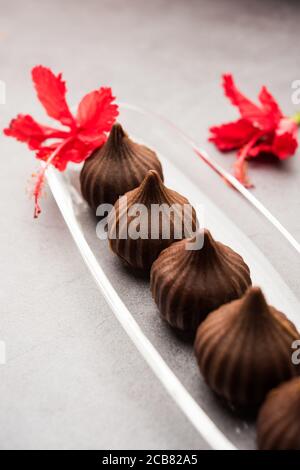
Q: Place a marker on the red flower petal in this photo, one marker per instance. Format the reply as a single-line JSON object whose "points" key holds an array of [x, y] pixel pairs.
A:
{"points": [[74, 150], [247, 109], [282, 143], [96, 113], [262, 129], [51, 91], [232, 135], [59, 161], [270, 105], [92, 141], [284, 146], [43, 153], [25, 129], [256, 150], [265, 117], [287, 125]]}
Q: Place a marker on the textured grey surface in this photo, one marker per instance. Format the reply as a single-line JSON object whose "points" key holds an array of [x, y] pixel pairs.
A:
{"points": [[72, 378]]}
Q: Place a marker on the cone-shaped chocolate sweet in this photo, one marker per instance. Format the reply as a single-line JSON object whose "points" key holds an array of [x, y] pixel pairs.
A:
{"points": [[188, 284], [148, 219], [244, 349], [120, 165], [278, 424]]}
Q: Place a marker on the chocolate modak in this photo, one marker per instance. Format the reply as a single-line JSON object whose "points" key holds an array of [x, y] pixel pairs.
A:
{"points": [[244, 349], [117, 167], [278, 424], [147, 220], [189, 282]]}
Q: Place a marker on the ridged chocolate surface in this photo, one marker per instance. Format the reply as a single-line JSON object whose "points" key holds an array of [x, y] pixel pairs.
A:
{"points": [[188, 284], [120, 165], [278, 424], [140, 253], [244, 349]]}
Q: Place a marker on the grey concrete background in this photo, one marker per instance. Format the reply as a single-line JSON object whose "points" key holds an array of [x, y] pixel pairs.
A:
{"points": [[72, 378]]}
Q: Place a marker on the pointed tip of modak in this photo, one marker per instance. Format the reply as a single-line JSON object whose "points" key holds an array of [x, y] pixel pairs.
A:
{"points": [[152, 181], [208, 239], [203, 240], [153, 174], [116, 135], [205, 235], [254, 301], [152, 189]]}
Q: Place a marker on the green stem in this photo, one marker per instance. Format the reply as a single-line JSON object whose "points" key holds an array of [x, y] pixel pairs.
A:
{"points": [[296, 118]]}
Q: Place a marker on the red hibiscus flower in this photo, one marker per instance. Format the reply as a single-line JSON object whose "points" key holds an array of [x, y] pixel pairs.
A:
{"points": [[261, 129], [81, 134]]}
